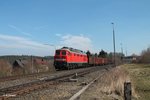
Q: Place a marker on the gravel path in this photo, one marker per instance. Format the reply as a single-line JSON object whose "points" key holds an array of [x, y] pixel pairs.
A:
{"points": [[34, 78], [61, 91], [108, 87]]}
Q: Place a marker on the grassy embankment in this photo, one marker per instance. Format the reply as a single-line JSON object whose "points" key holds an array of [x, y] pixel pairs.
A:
{"points": [[112, 83], [140, 77], [5, 68]]}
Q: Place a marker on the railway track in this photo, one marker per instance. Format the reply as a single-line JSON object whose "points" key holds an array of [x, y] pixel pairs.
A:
{"points": [[16, 90], [76, 95], [10, 78]]}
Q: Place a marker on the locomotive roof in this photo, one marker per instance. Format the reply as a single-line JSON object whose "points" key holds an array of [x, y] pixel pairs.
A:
{"points": [[73, 50]]}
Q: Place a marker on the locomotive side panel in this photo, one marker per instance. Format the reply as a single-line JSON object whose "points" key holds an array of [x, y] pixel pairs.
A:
{"points": [[65, 58]]}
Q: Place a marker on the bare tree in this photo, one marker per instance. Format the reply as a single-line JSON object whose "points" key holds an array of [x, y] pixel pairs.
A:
{"points": [[145, 56]]}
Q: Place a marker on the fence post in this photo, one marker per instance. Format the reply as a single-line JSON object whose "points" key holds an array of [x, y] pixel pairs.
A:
{"points": [[127, 91]]}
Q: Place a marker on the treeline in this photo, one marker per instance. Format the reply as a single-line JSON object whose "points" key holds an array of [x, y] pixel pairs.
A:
{"points": [[12, 58], [104, 54], [145, 56]]}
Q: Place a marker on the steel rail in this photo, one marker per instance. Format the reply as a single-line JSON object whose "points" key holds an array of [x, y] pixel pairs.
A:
{"points": [[12, 91]]}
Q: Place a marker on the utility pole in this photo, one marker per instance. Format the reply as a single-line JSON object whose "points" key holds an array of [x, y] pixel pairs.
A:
{"points": [[32, 63], [121, 48], [122, 55], [126, 51], [114, 44]]}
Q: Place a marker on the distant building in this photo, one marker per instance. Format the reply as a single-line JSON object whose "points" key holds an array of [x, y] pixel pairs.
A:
{"points": [[40, 64], [129, 59], [26, 66], [19, 66], [40, 61], [19, 63]]}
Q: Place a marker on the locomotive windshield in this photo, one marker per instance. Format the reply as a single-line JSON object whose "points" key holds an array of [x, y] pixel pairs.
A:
{"points": [[57, 52], [63, 52]]}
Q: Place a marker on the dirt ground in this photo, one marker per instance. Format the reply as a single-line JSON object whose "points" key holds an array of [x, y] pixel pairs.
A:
{"points": [[109, 86], [140, 76], [61, 91]]}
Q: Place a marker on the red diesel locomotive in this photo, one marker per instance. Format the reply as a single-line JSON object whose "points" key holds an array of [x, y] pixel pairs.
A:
{"points": [[73, 58], [69, 58]]}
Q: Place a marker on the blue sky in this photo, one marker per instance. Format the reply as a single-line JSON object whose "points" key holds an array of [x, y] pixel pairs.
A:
{"points": [[26, 25]]}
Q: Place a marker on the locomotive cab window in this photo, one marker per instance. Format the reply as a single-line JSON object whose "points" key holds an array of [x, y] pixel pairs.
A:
{"points": [[58, 52], [63, 52]]}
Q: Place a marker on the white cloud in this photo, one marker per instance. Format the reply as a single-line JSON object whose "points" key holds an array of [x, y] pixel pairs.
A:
{"points": [[11, 45], [77, 41], [19, 40], [19, 30], [23, 44]]}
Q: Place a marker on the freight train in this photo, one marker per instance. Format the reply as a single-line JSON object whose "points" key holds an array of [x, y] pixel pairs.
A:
{"points": [[73, 58]]}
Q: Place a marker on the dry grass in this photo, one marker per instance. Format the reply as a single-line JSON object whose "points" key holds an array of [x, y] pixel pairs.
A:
{"points": [[113, 82], [140, 76], [35, 68], [5, 68], [51, 66], [44, 68]]}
